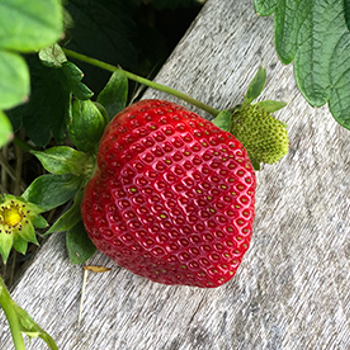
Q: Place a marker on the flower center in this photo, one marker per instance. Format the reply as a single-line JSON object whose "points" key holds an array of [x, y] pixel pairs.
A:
{"points": [[11, 216]]}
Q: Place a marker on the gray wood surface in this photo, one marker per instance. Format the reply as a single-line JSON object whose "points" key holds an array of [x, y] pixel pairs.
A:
{"points": [[292, 290]]}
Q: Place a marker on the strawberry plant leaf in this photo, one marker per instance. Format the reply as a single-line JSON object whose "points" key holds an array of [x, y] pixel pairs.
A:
{"points": [[70, 218], [265, 7], [255, 164], [105, 24], [87, 125], [43, 117], [65, 160], [256, 86], [52, 56], [26, 25], [223, 121], [114, 95], [74, 76], [315, 35], [50, 191], [173, 4], [347, 12], [270, 106], [5, 129], [14, 82], [80, 248]]}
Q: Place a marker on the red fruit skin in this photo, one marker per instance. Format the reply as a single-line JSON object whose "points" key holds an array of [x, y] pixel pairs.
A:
{"points": [[173, 197]]}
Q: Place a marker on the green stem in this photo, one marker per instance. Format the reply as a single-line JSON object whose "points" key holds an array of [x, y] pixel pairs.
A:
{"points": [[22, 144], [7, 305], [143, 81]]}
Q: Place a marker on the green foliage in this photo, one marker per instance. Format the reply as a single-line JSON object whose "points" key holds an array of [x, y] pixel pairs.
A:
{"points": [[172, 4], [223, 121], [104, 30], [65, 160], [347, 12], [14, 83], [80, 248], [32, 329], [87, 125], [315, 35], [51, 191], [25, 27], [20, 321], [48, 111], [70, 218], [256, 86], [5, 129], [270, 106], [114, 95]]}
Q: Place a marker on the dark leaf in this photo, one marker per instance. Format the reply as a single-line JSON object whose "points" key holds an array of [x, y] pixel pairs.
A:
{"points": [[223, 121], [48, 109], [64, 160], [114, 95], [87, 125], [73, 77], [80, 248], [315, 35], [270, 106], [256, 86], [50, 191], [70, 218]]}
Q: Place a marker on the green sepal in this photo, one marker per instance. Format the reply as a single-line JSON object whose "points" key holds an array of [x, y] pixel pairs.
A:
{"points": [[74, 76], [255, 164], [87, 125], [50, 191], [28, 233], [223, 121], [52, 56], [32, 329], [102, 111], [20, 244], [80, 248], [256, 86], [39, 222], [114, 95], [270, 106], [65, 160], [70, 218], [6, 243]]}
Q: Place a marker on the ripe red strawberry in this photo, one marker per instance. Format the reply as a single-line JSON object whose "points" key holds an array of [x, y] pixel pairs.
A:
{"points": [[173, 197]]}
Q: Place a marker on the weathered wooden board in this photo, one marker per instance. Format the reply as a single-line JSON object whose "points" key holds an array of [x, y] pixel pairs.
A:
{"points": [[292, 290]]}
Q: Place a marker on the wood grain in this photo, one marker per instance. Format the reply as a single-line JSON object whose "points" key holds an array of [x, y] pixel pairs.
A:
{"points": [[292, 290]]}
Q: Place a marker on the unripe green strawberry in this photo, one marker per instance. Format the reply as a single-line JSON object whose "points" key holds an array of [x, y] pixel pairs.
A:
{"points": [[264, 137], [173, 197]]}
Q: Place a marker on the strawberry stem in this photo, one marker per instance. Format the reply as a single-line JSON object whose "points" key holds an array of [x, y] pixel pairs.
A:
{"points": [[7, 305], [143, 81]]}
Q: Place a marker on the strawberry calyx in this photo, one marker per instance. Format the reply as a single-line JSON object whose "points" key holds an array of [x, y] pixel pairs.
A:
{"points": [[17, 220]]}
